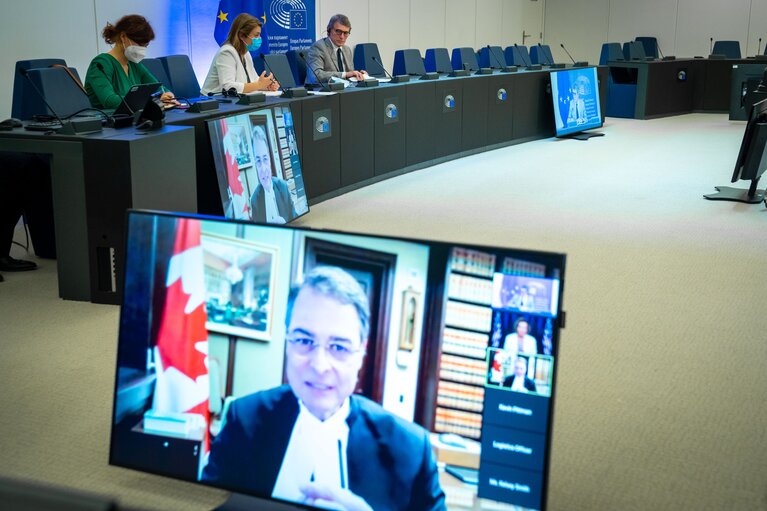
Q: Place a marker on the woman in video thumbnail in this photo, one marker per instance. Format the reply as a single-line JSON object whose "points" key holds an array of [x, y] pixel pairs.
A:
{"points": [[519, 341], [271, 201]]}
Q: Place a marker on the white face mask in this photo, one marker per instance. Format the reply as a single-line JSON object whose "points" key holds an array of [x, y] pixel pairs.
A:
{"points": [[135, 53]]}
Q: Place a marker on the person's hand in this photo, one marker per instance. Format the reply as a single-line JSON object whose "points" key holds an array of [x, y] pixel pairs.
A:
{"points": [[169, 99], [274, 85], [355, 74], [316, 494], [267, 82]]}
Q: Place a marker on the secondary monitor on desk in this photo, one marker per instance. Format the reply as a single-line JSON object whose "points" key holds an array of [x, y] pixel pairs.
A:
{"points": [[575, 94], [270, 360], [258, 166]]}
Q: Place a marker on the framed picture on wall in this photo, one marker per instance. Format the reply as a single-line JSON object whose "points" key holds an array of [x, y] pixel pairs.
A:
{"points": [[239, 286], [409, 326]]}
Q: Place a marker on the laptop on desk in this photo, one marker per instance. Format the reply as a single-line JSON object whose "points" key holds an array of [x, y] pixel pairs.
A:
{"points": [[136, 98]]}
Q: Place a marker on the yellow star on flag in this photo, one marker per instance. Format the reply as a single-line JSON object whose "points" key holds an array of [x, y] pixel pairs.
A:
{"points": [[264, 18], [222, 16]]}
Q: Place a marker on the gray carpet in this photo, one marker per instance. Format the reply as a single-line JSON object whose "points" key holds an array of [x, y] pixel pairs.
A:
{"points": [[663, 364]]}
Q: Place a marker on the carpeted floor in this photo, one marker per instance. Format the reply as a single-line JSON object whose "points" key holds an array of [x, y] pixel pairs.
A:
{"points": [[661, 399]]}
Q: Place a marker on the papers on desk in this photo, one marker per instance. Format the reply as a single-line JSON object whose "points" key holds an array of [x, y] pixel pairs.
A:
{"points": [[272, 92], [347, 83], [321, 93]]}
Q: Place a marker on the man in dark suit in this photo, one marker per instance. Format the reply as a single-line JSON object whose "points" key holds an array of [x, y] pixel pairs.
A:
{"points": [[518, 380], [330, 56], [313, 441], [271, 201]]}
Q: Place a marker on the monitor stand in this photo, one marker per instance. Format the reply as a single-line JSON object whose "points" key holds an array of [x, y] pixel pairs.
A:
{"points": [[240, 502], [585, 135], [750, 196]]}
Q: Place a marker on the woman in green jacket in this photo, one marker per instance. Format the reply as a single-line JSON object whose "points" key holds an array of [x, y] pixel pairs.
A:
{"points": [[111, 75]]}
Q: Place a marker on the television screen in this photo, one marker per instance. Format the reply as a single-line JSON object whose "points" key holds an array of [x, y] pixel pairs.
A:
{"points": [[332, 369], [575, 93], [258, 166]]}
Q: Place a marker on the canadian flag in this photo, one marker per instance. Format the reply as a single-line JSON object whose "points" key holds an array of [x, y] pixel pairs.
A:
{"points": [[240, 201], [180, 355]]}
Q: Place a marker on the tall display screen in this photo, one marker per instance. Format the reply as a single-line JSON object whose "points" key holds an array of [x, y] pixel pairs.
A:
{"points": [[258, 166], [334, 370], [575, 93]]}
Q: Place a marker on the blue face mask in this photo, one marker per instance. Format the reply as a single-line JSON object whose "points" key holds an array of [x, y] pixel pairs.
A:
{"points": [[255, 44]]}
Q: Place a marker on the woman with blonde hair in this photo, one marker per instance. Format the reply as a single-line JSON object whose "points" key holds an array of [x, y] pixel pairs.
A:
{"points": [[232, 68]]}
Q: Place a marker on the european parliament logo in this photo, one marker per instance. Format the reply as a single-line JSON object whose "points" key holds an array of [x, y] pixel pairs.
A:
{"points": [[289, 14]]}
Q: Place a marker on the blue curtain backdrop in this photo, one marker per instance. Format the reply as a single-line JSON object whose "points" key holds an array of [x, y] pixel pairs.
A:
{"points": [[288, 24]]}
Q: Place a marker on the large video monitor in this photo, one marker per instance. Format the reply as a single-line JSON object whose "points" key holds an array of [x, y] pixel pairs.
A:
{"points": [[575, 94], [751, 162], [258, 166], [321, 368]]}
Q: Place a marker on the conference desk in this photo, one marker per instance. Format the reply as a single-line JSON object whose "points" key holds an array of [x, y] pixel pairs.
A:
{"points": [[374, 133], [95, 178], [379, 132], [672, 87]]}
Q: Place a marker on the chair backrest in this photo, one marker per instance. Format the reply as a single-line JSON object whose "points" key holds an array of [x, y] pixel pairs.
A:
{"points": [[280, 68], [730, 49], [22, 96], [650, 45], [59, 90], [464, 58], [297, 66], [517, 55], [363, 59], [541, 54], [437, 60], [155, 67], [610, 52], [633, 50], [492, 56], [183, 81], [408, 62]]}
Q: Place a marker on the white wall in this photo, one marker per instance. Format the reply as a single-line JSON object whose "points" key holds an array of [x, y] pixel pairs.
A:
{"points": [[683, 27]]}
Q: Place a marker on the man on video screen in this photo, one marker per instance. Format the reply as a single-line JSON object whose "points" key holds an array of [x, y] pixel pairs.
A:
{"points": [[313, 441], [271, 201]]}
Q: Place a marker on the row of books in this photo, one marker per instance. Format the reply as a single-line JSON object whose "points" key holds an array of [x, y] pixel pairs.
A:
{"points": [[464, 315], [468, 344], [462, 369], [467, 424], [513, 266], [470, 289], [472, 261], [456, 395]]}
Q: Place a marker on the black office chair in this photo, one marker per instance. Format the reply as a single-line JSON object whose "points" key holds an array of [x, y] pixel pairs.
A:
{"points": [[650, 45], [366, 57], [492, 56], [437, 60], [61, 92], [633, 50], [730, 49], [409, 62], [280, 68], [23, 97], [541, 54], [297, 66], [155, 67], [517, 55], [464, 58], [611, 52], [183, 81]]}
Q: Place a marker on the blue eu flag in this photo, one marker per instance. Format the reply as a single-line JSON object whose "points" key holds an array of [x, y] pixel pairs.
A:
{"points": [[229, 9]]}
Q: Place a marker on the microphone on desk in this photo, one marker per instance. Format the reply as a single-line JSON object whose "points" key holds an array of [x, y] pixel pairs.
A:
{"points": [[290, 92], [66, 127], [759, 46], [505, 68], [327, 86], [394, 79], [575, 64], [529, 63], [710, 45]]}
